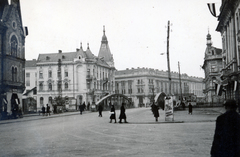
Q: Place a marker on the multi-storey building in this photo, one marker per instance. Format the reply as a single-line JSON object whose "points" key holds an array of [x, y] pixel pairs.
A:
{"points": [[141, 84], [12, 56], [212, 68], [229, 27], [76, 76], [30, 93]]}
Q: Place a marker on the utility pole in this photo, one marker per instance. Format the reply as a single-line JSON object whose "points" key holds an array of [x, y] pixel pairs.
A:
{"points": [[168, 62], [180, 82]]}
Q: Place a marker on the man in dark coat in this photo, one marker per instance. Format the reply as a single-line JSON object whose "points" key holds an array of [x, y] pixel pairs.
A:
{"points": [[190, 108], [81, 108], [122, 114], [100, 109], [226, 142], [155, 111], [112, 112], [43, 110]]}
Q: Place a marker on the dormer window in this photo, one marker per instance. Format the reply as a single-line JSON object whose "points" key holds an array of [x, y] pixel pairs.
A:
{"points": [[79, 57], [63, 57], [47, 58]]}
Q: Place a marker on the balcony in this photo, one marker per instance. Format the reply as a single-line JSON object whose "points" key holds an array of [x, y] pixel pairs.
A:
{"points": [[226, 73]]}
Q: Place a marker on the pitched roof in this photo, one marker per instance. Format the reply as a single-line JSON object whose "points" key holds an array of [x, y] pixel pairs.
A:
{"points": [[54, 57], [31, 63]]}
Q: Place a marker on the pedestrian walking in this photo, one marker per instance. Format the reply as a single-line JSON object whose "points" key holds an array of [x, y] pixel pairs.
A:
{"points": [[48, 110], [100, 109], [112, 113], [226, 142], [43, 110], [155, 111], [81, 108], [84, 105], [122, 114], [190, 108]]}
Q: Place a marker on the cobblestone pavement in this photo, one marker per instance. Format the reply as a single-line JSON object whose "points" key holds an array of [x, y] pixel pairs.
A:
{"points": [[71, 134]]}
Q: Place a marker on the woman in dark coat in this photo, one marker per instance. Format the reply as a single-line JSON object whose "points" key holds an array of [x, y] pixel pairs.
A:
{"points": [[155, 111], [122, 114], [113, 115], [190, 108]]}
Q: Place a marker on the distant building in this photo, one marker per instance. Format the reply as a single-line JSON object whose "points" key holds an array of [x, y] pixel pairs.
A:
{"points": [[212, 68], [12, 56], [141, 84], [75, 76], [30, 93]]}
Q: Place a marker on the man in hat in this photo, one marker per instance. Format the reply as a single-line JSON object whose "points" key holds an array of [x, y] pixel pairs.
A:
{"points": [[226, 140]]}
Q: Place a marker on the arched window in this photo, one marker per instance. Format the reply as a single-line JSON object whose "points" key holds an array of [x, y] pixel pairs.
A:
{"points": [[50, 86], [41, 100], [14, 45], [14, 74], [66, 85], [50, 100], [41, 86]]}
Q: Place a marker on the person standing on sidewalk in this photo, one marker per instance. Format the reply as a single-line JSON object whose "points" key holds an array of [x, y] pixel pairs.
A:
{"points": [[122, 114], [81, 108], [155, 111], [113, 114], [48, 110], [190, 108], [226, 142], [43, 110]]}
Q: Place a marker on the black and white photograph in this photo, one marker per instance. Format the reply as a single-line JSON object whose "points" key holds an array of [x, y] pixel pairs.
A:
{"points": [[104, 78]]}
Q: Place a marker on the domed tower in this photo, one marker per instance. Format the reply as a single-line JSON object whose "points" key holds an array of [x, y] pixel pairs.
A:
{"points": [[212, 68], [104, 51]]}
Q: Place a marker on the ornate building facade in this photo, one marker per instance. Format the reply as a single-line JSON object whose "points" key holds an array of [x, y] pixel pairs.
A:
{"points": [[212, 68], [229, 27], [12, 56], [77, 76], [141, 84]]}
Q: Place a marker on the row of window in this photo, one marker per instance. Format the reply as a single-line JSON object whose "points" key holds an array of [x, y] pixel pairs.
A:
{"points": [[50, 86], [50, 74]]}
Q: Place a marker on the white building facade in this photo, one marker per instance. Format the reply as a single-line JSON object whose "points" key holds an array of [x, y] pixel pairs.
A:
{"points": [[76, 76]]}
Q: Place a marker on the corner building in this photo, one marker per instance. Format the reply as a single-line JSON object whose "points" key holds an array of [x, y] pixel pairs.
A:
{"points": [[12, 56], [142, 84], [77, 76], [229, 27]]}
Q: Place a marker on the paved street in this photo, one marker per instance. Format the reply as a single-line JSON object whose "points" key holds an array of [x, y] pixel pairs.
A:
{"points": [[71, 134]]}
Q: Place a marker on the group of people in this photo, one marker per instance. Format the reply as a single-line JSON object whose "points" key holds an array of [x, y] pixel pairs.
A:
{"points": [[83, 107], [46, 110], [122, 115]]}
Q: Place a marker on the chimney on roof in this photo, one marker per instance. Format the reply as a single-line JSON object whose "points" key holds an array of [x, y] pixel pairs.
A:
{"points": [[127, 69], [59, 51]]}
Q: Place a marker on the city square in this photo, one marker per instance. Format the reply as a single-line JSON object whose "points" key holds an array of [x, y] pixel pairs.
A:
{"points": [[72, 134]]}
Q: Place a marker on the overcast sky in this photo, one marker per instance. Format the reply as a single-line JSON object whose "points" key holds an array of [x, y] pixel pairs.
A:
{"points": [[136, 30]]}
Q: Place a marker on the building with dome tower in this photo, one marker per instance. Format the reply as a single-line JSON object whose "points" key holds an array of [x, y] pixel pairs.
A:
{"points": [[77, 76], [212, 68]]}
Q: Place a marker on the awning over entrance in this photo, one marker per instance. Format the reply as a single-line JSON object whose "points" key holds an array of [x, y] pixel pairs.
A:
{"points": [[159, 100], [113, 95]]}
